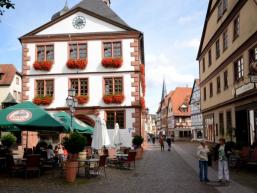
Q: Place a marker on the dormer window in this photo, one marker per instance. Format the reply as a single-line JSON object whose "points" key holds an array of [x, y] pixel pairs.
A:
{"points": [[184, 108]]}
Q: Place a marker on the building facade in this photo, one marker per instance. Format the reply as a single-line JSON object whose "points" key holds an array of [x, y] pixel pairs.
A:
{"points": [[91, 49], [10, 83], [179, 113], [196, 116], [227, 58], [150, 126]]}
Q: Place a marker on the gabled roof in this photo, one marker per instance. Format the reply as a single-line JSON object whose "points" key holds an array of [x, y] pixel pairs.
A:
{"points": [[204, 29], [99, 7], [9, 100], [196, 83], [94, 8], [7, 71], [180, 96]]}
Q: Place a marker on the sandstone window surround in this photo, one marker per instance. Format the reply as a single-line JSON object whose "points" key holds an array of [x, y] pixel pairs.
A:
{"points": [[239, 69]]}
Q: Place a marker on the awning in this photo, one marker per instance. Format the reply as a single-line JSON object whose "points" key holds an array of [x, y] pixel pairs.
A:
{"points": [[77, 125]]}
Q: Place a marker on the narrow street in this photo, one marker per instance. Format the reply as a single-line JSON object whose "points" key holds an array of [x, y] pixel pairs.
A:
{"points": [[158, 172]]}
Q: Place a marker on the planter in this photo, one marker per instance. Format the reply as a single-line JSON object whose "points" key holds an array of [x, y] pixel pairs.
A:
{"points": [[46, 100], [112, 62], [113, 99], [76, 64], [43, 65], [82, 99], [71, 171], [140, 153]]}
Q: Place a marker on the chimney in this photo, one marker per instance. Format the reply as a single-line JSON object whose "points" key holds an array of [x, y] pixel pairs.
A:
{"points": [[107, 2]]}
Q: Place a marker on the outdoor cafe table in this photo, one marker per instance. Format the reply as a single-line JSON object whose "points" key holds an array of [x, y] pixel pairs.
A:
{"points": [[121, 155], [87, 165]]}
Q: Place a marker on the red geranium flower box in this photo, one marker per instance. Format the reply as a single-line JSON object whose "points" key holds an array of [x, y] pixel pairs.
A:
{"points": [[82, 99], [142, 102], [46, 100], [43, 65], [76, 64], [112, 62], [115, 99]]}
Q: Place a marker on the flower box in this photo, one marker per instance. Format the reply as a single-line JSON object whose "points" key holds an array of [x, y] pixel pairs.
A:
{"points": [[46, 100], [142, 102], [115, 99], [76, 64], [82, 99], [43, 65], [112, 62]]}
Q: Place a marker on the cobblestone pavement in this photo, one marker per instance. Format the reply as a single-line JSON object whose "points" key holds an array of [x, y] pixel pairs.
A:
{"points": [[158, 172], [246, 176]]}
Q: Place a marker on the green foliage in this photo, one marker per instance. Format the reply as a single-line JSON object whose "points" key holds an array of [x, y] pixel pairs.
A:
{"points": [[137, 141], [8, 140], [75, 143], [5, 4]]}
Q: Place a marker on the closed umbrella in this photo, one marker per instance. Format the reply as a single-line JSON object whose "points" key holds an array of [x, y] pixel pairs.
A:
{"points": [[100, 134], [117, 141]]}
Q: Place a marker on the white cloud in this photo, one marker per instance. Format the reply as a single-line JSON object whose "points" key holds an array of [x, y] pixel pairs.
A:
{"points": [[162, 66], [193, 43]]}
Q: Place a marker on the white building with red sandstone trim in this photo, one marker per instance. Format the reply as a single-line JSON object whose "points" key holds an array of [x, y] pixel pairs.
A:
{"points": [[71, 51]]}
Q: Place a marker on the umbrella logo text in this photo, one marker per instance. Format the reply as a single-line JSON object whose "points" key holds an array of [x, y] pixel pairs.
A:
{"points": [[19, 116]]}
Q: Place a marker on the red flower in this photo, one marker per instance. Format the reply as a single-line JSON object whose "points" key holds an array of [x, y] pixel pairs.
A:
{"points": [[115, 99], [76, 64], [82, 99], [43, 65], [142, 102], [112, 62], [46, 100], [142, 69]]}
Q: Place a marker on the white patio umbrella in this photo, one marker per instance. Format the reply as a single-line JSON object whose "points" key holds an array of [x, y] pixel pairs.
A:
{"points": [[100, 135], [117, 141]]}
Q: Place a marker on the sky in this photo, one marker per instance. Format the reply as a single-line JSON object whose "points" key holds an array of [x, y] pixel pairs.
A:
{"points": [[172, 31]]}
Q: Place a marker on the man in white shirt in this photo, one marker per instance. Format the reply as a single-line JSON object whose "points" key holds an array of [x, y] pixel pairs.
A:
{"points": [[202, 154]]}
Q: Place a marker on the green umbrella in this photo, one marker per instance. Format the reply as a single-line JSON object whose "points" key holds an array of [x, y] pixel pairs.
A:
{"points": [[30, 117], [77, 125]]}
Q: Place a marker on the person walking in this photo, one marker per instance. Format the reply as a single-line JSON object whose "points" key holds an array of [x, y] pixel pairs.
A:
{"points": [[161, 141], [169, 142], [222, 152], [202, 154], [153, 139]]}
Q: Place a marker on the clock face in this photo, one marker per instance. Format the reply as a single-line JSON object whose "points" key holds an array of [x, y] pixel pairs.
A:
{"points": [[79, 22]]}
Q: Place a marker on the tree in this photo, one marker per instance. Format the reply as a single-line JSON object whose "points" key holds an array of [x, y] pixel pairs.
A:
{"points": [[5, 4]]}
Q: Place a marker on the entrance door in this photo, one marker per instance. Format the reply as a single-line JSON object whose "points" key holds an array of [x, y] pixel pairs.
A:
{"points": [[242, 131]]}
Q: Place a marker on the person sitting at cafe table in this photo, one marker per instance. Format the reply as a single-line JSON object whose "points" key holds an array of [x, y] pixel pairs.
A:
{"points": [[50, 152]]}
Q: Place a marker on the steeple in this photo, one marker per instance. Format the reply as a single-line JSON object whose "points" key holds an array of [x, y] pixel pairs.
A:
{"points": [[164, 90], [63, 11]]}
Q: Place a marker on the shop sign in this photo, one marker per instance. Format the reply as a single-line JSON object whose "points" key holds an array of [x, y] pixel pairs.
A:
{"points": [[19, 116], [244, 88]]}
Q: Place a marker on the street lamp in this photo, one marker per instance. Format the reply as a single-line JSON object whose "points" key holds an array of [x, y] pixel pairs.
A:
{"points": [[72, 103]]}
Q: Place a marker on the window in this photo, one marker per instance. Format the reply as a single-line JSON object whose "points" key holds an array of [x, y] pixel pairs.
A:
{"points": [[225, 40], [209, 56], [253, 55], [113, 86], [211, 90], [225, 80], [217, 48], [112, 49], [80, 85], [229, 119], [222, 8], [44, 88], [19, 96], [45, 53], [203, 63], [225, 5], [218, 84], [239, 69], [114, 117], [220, 11], [17, 81], [78, 51], [221, 123], [236, 27], [204, 93]]}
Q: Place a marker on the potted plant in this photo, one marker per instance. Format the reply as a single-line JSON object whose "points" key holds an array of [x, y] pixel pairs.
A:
{"points": [[137, 142], [74, 144], [112, 62], [8, 140]]}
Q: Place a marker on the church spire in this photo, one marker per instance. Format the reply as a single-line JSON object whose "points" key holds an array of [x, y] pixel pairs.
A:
{"points": [[164, 90]]}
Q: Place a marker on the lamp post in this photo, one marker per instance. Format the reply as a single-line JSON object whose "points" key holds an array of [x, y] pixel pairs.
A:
{"points": [[72, 103]]}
